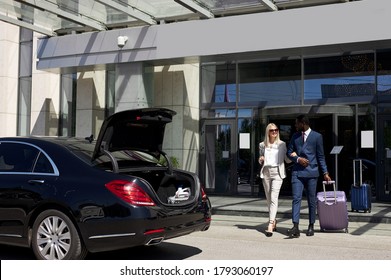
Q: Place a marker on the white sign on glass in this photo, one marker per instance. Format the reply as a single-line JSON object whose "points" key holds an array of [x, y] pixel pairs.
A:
{"points": [[367, 139], [244, 140]]}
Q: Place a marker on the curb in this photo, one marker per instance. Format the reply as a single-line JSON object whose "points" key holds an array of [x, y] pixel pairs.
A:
{"points": [[352, 218]]}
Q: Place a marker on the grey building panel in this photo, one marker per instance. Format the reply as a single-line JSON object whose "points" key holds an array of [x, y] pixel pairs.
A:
{"points": [[331, 25], [88, 49]]}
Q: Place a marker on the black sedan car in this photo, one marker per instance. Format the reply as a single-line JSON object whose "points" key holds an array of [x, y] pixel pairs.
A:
{"points": [[65, 197]]}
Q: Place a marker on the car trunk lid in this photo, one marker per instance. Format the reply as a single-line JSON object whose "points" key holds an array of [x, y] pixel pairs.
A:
{"points": [[141, 129]]}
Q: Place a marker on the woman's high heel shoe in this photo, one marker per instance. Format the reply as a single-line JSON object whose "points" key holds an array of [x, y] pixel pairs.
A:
{"points": [[270, 229], [275, 225]]}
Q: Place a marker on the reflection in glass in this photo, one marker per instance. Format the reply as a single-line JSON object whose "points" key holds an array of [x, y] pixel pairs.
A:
{"points": [[339, 76], [243, 113], [270, 81], [244, 158], [224, 113], [218, 83], [218, 157], [225, 93], [387, 158], [384, 73]]}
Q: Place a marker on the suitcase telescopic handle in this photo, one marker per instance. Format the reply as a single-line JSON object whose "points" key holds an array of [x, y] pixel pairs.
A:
{"points": [[324, 190], [329, 182]]}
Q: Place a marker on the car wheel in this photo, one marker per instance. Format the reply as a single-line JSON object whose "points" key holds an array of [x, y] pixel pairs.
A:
{"points": [[54, 237]]}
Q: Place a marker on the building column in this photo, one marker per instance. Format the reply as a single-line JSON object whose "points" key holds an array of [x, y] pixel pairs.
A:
{"points": [[131, 87], [45, 100], [177, 87], [9, 48], [90, 103]]}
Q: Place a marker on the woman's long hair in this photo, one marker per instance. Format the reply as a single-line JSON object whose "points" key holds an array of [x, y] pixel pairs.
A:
{"points": [[266, 140]]}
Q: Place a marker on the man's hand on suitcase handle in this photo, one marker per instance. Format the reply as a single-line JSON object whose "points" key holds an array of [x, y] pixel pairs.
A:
{"points": [[327, 178], [328, 182]]}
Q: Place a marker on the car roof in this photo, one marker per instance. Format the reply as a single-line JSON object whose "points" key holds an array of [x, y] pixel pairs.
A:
{"points": [[140, 129]]}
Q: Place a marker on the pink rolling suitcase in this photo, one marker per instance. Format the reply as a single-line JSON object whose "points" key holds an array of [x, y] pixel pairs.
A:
{"points": [[332, 209]]}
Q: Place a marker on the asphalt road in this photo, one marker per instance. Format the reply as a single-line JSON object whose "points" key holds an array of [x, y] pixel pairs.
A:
{"points": [[242, 238]]}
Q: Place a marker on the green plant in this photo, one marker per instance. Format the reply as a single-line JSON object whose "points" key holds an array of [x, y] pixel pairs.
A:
{"points": [[174, 161]]}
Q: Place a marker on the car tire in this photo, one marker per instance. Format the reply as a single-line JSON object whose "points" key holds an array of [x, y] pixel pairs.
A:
{"points": [[54, 237]]}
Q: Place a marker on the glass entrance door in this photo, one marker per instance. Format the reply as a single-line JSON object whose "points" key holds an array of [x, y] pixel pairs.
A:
{"points": [[383, 191], [217, 158]]}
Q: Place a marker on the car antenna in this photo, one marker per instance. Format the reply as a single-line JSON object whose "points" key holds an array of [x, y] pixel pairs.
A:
{"points": [[90, 138]]}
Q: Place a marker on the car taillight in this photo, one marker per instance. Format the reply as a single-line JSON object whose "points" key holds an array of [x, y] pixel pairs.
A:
{"points": [[154, 231], [203, 194], [130, 192]]}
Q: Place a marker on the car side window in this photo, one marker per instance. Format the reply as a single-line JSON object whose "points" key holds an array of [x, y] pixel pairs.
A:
{"points": [[43, 165], [15, 157]]}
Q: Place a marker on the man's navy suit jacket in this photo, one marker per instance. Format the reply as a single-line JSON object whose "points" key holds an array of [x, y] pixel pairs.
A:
{"points": [[311, 149]]}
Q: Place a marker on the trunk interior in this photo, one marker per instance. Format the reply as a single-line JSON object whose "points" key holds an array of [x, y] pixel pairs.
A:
{"points": [[175, 188]]}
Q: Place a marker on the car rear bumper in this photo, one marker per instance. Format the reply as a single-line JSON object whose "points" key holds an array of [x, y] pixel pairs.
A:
{"points": [[108, 234], [122, 240]]}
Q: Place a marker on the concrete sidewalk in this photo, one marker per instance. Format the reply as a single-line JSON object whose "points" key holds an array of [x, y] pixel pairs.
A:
{"points": [[256, 206]]}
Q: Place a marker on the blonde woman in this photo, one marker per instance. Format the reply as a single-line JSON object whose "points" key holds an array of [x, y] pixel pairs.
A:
{"points": [[272, 157]]}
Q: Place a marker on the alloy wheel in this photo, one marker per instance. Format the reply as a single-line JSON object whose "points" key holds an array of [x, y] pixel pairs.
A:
{"points": [[54, 238]]}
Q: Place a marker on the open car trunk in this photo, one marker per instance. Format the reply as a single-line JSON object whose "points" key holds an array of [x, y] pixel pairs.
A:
{"points": [[143, 130], [176, 188]]}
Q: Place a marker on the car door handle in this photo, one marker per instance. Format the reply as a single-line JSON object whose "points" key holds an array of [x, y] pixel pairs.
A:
{"points": [[36, 181]]}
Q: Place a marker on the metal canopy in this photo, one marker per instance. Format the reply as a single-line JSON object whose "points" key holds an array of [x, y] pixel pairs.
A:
{"points": [[61, 17], [195, 7], [270, 5], [129, 10]]}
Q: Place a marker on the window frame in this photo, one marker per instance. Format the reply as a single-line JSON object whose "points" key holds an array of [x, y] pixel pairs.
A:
{"points": [[40, 152]]}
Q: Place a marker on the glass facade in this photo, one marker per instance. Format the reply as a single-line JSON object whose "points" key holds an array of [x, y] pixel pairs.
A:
{"points": [[339, 76], [67, 122], [25, 75], [383, 73], [286, 81], [274, 82], [340, 93], [61, 16]]}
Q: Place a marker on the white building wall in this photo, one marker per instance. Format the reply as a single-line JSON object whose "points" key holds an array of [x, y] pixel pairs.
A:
{"points": [[90, 103], [45, 99], [9, 57], [177, 87], [131, 87]]}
